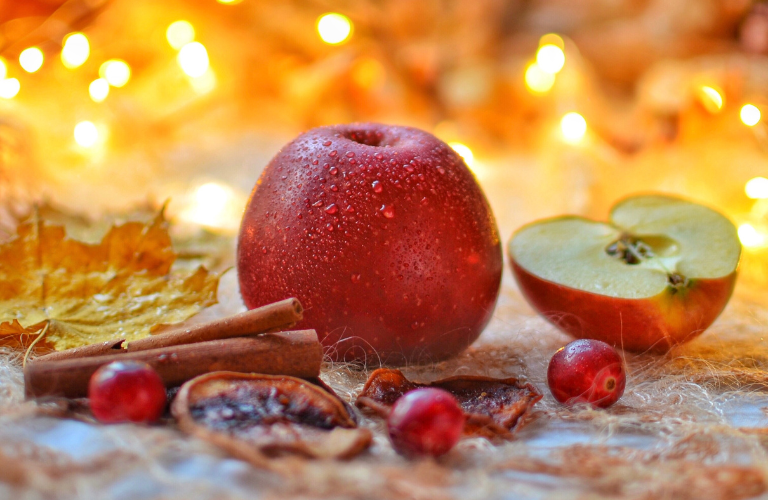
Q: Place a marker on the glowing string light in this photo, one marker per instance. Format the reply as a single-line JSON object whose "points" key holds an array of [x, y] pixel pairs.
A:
{"points": [[180, 33], [86, 134], [9, 88], [550, 58], [751, 237], [193, 59], [334, 28], [750, 115], [116, 72], [75, 51], [757, 188], [99, 89], [31, 59], [537, 80]]}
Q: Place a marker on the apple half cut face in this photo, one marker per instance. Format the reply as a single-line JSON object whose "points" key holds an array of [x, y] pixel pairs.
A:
{"points": [[657, 275]]}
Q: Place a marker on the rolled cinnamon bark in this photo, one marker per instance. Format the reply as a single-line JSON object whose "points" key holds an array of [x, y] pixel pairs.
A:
{"points": [[296, 353], [114, 346], [280, 315]]}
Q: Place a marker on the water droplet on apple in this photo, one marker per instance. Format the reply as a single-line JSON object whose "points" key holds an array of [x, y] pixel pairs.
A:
{"points": [[333, 171], [350, 154], [377, 187], [329, 227], [356, 278], [350, 209], [331, 209], [333, 153], [388, 211], [327, 143]]}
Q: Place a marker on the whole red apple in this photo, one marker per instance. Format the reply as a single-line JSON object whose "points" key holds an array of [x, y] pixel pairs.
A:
{"points": [[384, 236], [657, 275]]}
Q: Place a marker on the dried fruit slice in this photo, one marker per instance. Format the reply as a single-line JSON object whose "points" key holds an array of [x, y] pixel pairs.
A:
{"points": [[258, 416], [493, 407]]}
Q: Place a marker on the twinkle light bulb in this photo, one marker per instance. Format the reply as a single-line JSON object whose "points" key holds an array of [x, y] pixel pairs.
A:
{"points": [[31, 59], [116, 72], [334, 28], [99, 89], [75, 50], [9, 87], [750, 115], [86, 134], [193, 59], [180, 33], [574, 127]]}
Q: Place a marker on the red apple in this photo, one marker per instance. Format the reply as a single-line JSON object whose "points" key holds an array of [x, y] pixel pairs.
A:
{"points": [[657, 275], [384, 236]]}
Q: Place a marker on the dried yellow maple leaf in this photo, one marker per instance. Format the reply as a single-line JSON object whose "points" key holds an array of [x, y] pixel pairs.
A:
{"points": [[121, 287]]}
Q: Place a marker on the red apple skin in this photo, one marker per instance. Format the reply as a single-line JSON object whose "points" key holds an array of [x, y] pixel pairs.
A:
{"points": [[384, 236], [654, 324]]}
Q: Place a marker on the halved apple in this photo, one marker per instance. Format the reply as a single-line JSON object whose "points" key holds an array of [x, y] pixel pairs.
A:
{"points": [[657, 275]]}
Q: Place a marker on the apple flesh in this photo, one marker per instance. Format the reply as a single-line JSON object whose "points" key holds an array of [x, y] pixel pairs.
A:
{"points": [[657, 275], [384, 236]]}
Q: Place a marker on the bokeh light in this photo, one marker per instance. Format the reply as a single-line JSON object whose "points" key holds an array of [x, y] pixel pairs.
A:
{"points": [[99, 89], [116, 72], [334, 28], [463, 151], [75, 50], [193, 59], [31, 59], [180, 33], [751, 237], [229, 2], [552, 39], [86, 134], [711, 99], [550, 58], [215, 206], [537, 80], [9, 87], [573, 127], [757, 188], [3, 69], [750, 115]]}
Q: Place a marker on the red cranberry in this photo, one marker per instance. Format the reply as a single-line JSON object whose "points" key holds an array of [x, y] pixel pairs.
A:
{"points": [[586, 371], [425, 421], [126, 391]]}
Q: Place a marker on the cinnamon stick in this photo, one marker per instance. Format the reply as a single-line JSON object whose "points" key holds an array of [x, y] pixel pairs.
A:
{"points": [[114, 346], [297, 353], [279, 315]]}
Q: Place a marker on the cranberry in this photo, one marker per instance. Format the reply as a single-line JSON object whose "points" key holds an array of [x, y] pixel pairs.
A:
{"points": [[425, 421], [586, 371], [126, 391]]}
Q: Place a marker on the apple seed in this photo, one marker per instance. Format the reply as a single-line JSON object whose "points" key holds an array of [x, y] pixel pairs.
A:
{"points": [[629, 249]]}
